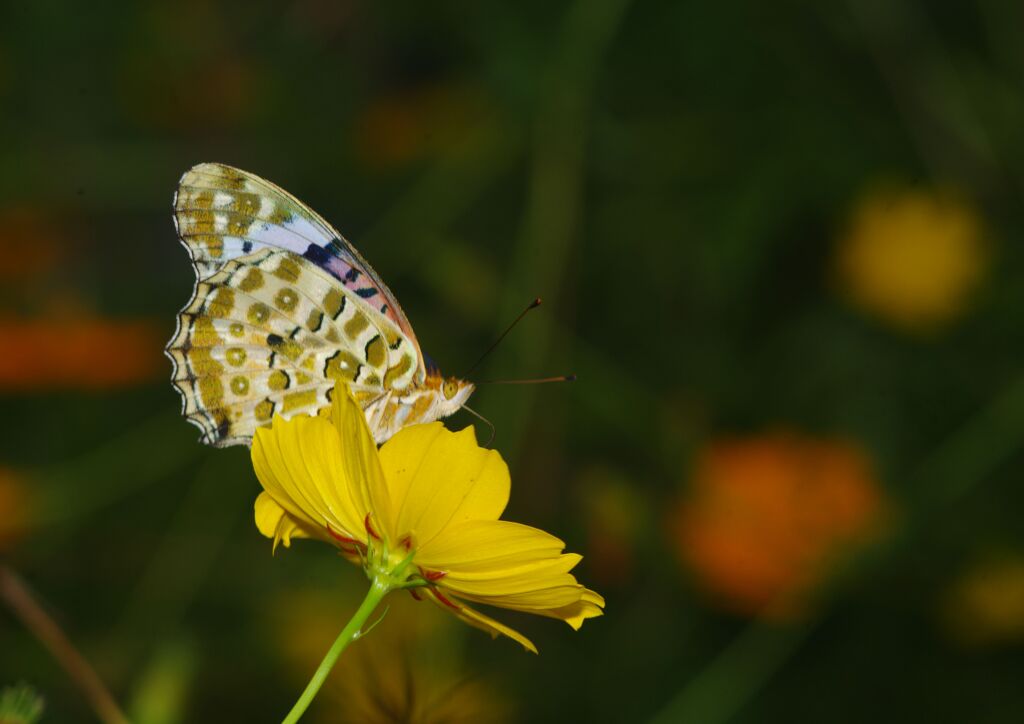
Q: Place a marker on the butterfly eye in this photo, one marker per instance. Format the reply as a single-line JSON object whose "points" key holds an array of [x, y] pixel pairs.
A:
{"points": [[449, 389]]}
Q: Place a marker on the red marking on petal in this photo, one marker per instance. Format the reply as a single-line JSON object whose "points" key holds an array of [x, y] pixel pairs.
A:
{"points": [[341, 538], [434, 576], [369, 527], [407, 542], [443, 599], [412, 592]]}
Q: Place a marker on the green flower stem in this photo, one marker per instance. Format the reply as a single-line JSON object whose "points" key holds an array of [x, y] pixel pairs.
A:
{"points": [[379, 588]]}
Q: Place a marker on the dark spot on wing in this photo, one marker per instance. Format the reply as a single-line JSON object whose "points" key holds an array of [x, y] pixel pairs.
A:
{"points": [[318, 255]]}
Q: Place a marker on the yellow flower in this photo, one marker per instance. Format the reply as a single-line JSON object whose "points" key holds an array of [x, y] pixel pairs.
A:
{"points": [[912, 257], [986, 606], [421, 514]]}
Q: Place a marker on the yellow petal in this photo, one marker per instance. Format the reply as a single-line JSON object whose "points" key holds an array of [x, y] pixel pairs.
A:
{"points": [[299, 464], [510, 581], [439, 478], [509, 565], [273, 475], [360, 459], [588, 605], [273, 522], [530, 591], [487, 545], [538, 599], [478, 620]]}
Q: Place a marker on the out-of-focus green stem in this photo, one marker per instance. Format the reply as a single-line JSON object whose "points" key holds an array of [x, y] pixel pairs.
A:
{"points": [[556, 183]]}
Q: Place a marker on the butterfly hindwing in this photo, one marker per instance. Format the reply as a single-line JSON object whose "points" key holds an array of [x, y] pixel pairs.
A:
{"points": [[223, 213], [270, 333]]}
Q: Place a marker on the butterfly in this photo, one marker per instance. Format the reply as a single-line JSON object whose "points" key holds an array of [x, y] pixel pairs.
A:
{"points": [[284, 307]]}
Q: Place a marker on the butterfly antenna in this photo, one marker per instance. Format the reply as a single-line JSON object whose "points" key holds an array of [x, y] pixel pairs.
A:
{"points": [[483, 419], [535, 381], [533, 305]]}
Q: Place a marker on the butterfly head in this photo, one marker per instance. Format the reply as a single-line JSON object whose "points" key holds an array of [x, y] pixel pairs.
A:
{"points": [[454, 393]]}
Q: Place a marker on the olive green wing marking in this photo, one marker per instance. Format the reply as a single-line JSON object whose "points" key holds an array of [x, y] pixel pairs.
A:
{"points": [[269, 334]]}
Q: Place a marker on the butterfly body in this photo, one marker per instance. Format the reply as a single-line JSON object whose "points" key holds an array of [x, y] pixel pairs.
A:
{"points": [[421, 403], [283, 308]]}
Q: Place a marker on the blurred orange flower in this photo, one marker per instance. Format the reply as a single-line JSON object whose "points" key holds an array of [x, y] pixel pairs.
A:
{"points": [[986, 606], [912, 257], [764, 517], [78, 353], [16, 508], [61, 344]]}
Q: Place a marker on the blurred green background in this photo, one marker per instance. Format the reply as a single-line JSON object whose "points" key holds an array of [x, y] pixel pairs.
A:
{"points": [[779, 245]]}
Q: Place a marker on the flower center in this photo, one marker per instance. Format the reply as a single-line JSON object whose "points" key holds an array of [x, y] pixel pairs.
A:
{"points": [[388, 566], [392, 566]]}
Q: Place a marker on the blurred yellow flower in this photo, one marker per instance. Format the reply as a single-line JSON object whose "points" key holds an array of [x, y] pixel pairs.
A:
{"points": [[421, 514], [986, 606], [912, 257], [764, 516]]}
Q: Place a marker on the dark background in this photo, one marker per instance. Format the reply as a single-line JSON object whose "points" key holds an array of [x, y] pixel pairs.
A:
{"points": [[779, 245]]}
